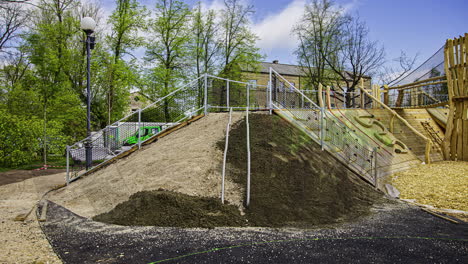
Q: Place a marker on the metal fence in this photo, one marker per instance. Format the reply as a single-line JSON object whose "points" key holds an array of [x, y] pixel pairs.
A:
{"points": [[416, 97], [332, 134], [224, 94], [136, 128]]}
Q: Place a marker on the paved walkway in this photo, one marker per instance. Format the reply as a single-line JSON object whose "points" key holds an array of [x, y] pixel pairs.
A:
{"points": [[395, 233]]}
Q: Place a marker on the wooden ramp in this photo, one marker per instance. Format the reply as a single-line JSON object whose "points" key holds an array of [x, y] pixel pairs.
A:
{"points": [[439, 115]]}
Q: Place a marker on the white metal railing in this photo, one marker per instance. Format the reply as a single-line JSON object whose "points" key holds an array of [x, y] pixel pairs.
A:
{"points": [[228, 128], [247, 202], [330, 132]]}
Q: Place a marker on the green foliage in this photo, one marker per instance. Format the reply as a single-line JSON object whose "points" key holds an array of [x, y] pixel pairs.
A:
{"points": [[17, 144], [238, 42], [167, 48]]}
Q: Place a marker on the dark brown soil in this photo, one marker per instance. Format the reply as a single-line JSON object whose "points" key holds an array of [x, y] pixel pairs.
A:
{"points": [[165, 208], [293, 182], [13, 176]]}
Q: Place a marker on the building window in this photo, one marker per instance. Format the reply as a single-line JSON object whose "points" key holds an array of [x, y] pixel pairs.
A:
{"points": [[291, 88], [252, 82]]}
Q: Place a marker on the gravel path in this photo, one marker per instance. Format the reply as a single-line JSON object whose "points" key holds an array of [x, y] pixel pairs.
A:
{"points": [[24, 242], [395, 233]]}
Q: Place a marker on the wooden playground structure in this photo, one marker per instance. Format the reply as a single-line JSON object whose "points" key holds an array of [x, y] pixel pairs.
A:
{"points": [[456, 70]]}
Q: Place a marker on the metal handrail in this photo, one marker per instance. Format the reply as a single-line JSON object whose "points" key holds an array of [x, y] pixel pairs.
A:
{"points": [[294, 88], [225, 154]]}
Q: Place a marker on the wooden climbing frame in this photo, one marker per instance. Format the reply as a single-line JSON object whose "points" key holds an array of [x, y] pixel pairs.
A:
{"points": [[456, 70]]}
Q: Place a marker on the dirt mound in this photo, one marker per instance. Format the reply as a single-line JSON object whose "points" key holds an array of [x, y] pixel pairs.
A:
{"points": [[185, 161], [293, 182], [165, 208]]}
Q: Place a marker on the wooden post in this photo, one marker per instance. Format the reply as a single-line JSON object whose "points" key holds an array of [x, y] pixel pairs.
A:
{"points": [[328, 97], [392, 120], [361, 84], [320, 95], [386, 95], [376, 93]]}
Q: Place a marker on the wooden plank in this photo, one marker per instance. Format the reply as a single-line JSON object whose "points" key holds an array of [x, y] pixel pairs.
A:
{"points": [[448, 61], [459, 146]]}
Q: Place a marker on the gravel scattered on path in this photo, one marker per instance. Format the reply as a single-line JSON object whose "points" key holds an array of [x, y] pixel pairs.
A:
{"points": [[24, 242]]}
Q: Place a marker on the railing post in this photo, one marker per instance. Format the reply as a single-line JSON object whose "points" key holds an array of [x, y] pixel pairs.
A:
{"points": [[225, 155], [248, 96], [67, 178], [227, 94], [248, 158], [374, 152], [322, 127], [270, 88], [139, 128], [206, 94]]}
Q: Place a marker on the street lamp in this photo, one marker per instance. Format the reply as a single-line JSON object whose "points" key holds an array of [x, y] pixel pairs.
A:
{"points": [[88, 25]]}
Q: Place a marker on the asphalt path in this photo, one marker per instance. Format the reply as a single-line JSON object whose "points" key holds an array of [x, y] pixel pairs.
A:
{"points": [[394, 233]]}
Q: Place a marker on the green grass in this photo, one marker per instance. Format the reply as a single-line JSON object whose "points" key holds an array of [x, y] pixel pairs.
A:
{"points": [[51, 160]]}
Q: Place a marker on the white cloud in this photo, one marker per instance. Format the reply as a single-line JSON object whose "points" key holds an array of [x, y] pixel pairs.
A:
{"points": [[275, 30]]}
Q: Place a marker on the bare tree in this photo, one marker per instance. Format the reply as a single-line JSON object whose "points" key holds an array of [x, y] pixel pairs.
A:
{"points": [[357, 56], [389, 74], [319, 33], [12, 19]]}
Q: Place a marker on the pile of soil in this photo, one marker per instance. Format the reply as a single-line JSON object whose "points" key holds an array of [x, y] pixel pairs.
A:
{"points": [[165, 208], [293, 182]]}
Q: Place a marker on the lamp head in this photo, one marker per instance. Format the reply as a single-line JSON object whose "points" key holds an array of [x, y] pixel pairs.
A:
{"points": [[88, 25]]}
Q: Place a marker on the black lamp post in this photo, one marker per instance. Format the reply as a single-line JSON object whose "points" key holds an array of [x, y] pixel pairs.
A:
{"points": [[88, 25]]}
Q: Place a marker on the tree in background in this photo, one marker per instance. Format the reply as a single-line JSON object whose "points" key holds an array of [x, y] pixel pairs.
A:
{"points": [[126, 21], [389, 75], [332, 41], [167, 49], [238, 50], [319, 33], [203, 46], [357, 56], [237, 40], [12, 18]]}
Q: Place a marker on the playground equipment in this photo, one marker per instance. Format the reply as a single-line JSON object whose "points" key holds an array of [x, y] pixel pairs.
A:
{"points": [[456, 69], [142, 134], [440, 81]]}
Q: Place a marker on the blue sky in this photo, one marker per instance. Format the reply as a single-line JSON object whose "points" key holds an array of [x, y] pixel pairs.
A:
{"points": [[414, 26]]}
